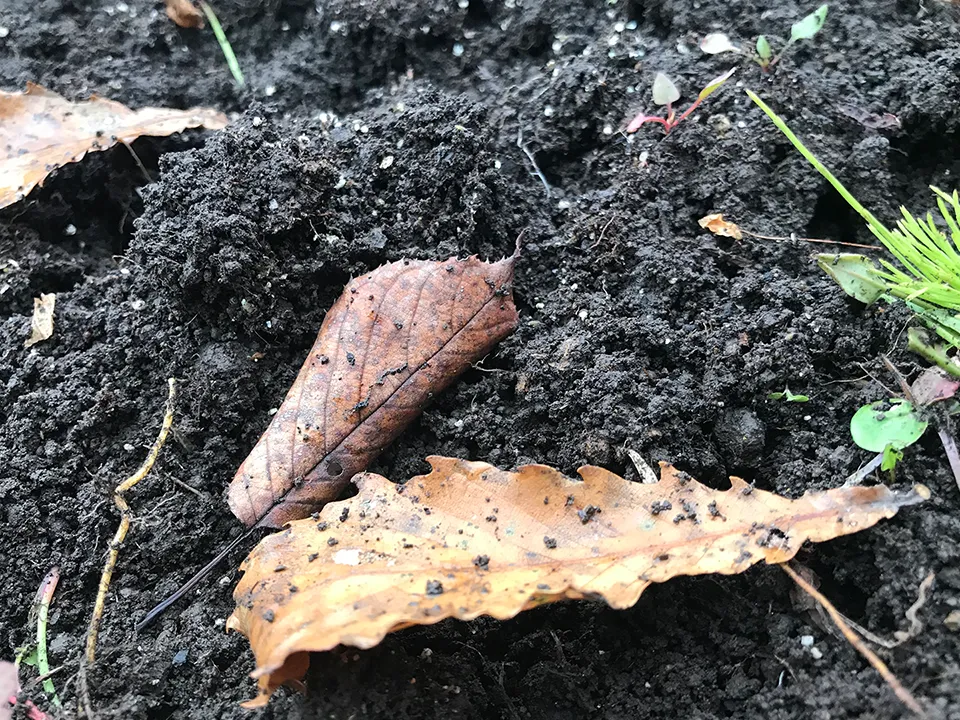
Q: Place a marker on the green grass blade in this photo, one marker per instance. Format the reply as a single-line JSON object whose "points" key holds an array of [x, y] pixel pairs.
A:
{"points": [[879, 228], [225, 46]]}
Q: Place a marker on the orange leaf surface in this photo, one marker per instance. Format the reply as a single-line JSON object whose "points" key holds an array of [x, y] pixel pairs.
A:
{"points": [[395, 338], [469, 540], [718, 226], [41, 131]]}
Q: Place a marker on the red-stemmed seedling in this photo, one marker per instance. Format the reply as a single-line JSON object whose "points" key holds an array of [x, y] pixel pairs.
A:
{"points": [[665, 94]]}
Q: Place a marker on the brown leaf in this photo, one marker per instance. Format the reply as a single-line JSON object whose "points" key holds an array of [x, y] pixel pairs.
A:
{"points": [[718, 226], [395, 338], [41, 325], [469, 540], [184, 13], [41, 131]]}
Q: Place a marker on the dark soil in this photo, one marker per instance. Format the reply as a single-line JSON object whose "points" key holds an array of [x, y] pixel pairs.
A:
{"points": [[638, 330]]}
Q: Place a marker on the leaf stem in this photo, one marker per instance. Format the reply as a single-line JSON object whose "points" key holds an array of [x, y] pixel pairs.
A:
{"points": [[932, 353]]}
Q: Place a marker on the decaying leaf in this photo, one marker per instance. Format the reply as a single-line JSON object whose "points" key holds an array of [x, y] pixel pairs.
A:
{"points": [[41, 131], [395, 338], [718, 226], [41, 325], [184, 13], [469, 540]]}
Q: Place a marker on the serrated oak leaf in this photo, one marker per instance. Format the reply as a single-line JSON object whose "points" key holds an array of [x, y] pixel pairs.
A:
{"points": [[469, 540], [41, 131]]}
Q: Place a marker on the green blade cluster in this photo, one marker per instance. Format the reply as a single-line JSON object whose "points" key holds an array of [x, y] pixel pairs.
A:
{"points": [[929, 279]]}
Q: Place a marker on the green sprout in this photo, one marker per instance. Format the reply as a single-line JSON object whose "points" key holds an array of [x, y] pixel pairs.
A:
{"points": [[929, 280], [887, 427], [665, 94], [225, 46], [788, 396], [803, 29], [36, 655]]}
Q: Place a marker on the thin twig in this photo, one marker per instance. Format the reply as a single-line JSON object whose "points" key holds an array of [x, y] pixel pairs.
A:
{"points": [[901, 380], [860, 475], [136, 159], [125, 518], [899, 690], [794, 238], [533, 161], [190, 488]]}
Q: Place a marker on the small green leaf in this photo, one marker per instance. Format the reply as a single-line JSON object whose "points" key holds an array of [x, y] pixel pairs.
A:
{"points": [[715, 84], [891, 456], [855, 274], [788, 396], [883, 423], [31, 657], [809, 26], [664, 91], [763, 48]]}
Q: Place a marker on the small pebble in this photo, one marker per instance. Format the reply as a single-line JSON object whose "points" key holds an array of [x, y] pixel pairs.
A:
{"points": [[806, 640], [70, 230], [386, 162]]}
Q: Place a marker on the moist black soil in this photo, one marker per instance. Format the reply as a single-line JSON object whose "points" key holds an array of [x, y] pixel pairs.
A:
{"points": [[370, 132]]}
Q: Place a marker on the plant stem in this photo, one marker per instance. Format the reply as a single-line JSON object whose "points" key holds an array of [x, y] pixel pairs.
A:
{"points": [[225, 46], [931, 353], [688, 111], [44, 596]]}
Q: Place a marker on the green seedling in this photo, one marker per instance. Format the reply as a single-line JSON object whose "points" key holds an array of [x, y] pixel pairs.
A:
{"points": [[36, 655], [788, 396], [887, 427], [225, 46], [928, 278], [665, 94], [763, 55]]}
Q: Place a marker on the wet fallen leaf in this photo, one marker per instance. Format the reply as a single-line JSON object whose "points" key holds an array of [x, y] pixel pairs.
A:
{"points": [[184, 13], [718, 226], [41, 325], [41, 131], [395, 338], [469, 540]]}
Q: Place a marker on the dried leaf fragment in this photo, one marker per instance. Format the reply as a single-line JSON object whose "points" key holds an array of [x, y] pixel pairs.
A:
{"points": [[41, 325], [184, 13], [41, 131], [718, 226], [394, 338], [421, 552]]}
